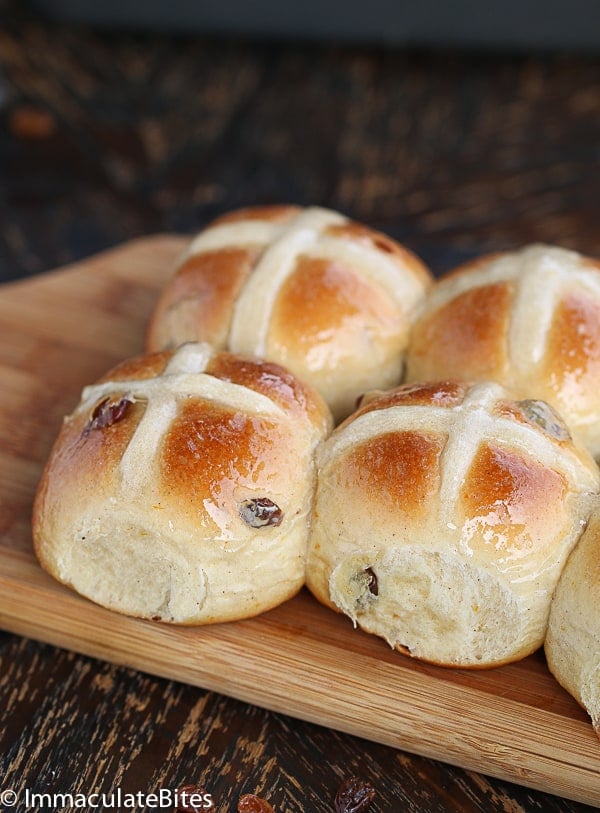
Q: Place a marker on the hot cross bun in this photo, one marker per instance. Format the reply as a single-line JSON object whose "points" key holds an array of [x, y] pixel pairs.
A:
{"points": [[181, 487], [443, 517], [326, 297], [529, 319]]}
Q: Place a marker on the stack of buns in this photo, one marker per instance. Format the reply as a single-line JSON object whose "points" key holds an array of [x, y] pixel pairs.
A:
{"points": [[190, 470], [449, 509]]}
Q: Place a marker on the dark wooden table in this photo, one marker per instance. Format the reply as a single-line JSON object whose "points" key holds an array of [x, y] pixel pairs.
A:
{"points": [[108, 135]]}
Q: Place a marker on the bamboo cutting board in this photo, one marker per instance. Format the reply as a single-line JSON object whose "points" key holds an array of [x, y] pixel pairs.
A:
{"points": [[60, 331]]}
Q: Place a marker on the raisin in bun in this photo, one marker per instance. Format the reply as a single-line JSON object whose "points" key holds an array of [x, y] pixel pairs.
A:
{"points": [[181, 487], [573, 639], [443, 517], [530, 320], [328, 298]]}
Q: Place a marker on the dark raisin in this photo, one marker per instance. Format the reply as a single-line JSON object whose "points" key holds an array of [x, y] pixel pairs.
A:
{"points": [[383, 244], [261, 511], [250, 803], [542, 414], [193, 799], [106, 413], [354, 796], [372, 584]]}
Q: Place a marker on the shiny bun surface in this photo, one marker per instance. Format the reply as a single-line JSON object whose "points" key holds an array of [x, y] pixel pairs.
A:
{"points": [[181, 487], [328, 298], [529, 319], [444, 514]]}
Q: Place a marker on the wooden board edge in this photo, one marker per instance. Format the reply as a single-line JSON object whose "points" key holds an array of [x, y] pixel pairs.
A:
{"points": [[441, 732]]}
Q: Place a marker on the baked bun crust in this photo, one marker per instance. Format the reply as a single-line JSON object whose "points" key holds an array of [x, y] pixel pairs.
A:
{"points": [[573, 640], [181, 487], [530, 320], [326, 297], [443, 517]]}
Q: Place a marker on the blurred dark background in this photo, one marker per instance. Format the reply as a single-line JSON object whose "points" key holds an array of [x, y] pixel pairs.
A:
{"points": [[456, 132]]}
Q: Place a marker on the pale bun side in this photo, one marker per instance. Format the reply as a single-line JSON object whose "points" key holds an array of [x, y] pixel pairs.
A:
{"points": [[181, 487], [529, 319], [573, 640], [328, 298], [443, 517]]}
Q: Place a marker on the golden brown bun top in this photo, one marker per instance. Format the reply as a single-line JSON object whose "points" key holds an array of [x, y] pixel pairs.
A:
{"points": [[328, 298], [472, 455], [339, 226], [319, 254], [264, 377], [529, 319], [276, 213], [203, 431], [460, 503]]}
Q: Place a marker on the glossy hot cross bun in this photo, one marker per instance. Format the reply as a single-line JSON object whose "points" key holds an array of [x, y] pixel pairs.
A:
{"points": [[444, 515], [181, 487], [529, 319], [324, 296]]}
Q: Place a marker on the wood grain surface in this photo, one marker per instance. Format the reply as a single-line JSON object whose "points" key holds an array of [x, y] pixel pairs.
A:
{"points": [[109, 136], [106, 136], [57, 334]]}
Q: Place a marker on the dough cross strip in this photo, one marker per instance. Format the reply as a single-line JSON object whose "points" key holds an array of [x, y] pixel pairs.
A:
{"points": [[467, 425], [183, 378], [540, 274], [283, 244]]}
